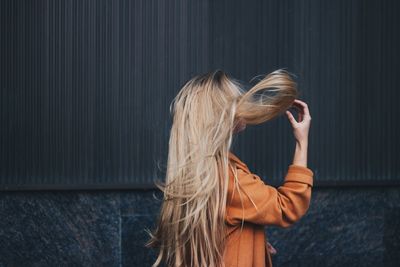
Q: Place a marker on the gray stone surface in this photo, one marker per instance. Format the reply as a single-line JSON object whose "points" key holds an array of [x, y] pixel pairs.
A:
{"points": [[133, 238], [59, 229], [343, 227]]}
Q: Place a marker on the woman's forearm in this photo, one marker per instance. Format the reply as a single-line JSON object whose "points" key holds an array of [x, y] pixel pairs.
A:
{"points": [[300, 153], [300, 132]]}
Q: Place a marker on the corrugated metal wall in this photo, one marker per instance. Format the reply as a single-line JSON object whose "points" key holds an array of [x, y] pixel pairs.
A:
{"points": [[86, 86]]}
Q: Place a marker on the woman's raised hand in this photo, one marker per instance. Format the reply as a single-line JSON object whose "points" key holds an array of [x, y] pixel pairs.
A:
{"points": [[302, 126]]}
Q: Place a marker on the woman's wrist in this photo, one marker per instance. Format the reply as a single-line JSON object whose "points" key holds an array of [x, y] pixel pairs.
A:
{"points": [[303, 144], [300, 154]]}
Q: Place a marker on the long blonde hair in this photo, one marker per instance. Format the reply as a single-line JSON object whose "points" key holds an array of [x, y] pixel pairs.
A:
{"points": [[190, 230]]}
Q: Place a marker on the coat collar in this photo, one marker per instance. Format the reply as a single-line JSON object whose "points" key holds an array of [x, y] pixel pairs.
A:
{"points": [[234, 158]]}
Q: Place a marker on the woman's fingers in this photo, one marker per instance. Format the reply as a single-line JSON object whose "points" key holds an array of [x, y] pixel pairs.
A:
{"points": [[299, 108], [300, 116], [301, 128], [304, 107], [290, 117]]}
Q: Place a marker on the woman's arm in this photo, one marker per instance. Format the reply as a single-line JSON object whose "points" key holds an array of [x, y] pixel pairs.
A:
{"points": [[300, 154], [253, 201], [300, 132]]}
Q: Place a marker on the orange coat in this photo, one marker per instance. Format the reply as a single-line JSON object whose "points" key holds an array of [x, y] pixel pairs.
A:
{"points": [[280, 206]]}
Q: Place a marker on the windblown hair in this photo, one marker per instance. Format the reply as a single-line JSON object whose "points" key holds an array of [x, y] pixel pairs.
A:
{"points": [[191, 226]]}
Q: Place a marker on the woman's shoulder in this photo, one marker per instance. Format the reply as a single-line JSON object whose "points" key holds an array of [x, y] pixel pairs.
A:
{"points": [[237, 162], [235, 158]]}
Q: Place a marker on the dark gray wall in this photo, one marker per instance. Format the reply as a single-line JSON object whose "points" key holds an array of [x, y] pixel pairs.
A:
{"points": [[85, 86]]}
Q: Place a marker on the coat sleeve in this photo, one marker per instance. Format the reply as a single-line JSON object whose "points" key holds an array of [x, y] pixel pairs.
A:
{"points": [[280, 206]]}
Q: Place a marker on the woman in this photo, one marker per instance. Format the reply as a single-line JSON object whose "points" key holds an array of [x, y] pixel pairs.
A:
{"points": [[214, 209]]}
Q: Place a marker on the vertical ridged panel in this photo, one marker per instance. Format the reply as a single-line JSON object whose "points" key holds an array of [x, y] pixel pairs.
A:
{"points": [[86, 86], [346, 59]]}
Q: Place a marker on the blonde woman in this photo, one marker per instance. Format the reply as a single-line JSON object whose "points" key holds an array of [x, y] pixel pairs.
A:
{"points": [[215, 210]]}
